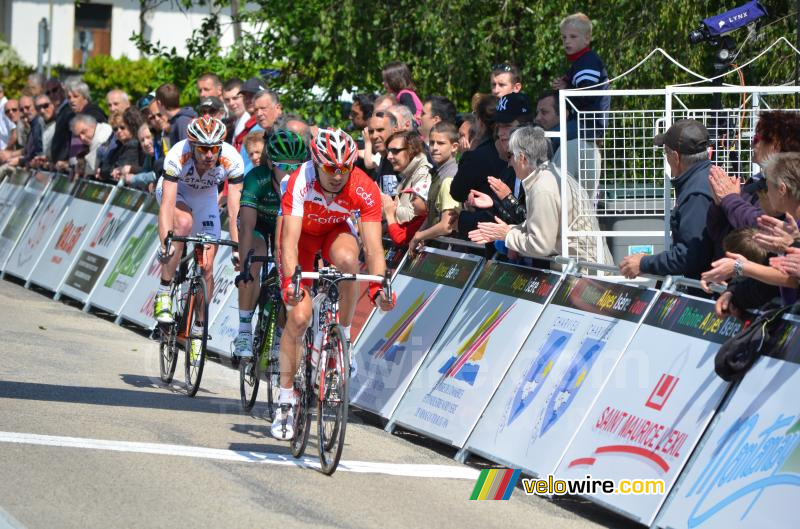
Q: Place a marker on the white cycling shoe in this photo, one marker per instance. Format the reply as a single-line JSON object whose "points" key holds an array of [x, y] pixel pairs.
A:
{"points": [[283, 424], [243, 345]]}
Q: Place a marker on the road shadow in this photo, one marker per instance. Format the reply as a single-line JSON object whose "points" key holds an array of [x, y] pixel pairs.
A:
{"points": [[128, 398]]}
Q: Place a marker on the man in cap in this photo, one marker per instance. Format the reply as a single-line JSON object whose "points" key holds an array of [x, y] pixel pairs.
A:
{"points": [[211, 106], [686, 146]]}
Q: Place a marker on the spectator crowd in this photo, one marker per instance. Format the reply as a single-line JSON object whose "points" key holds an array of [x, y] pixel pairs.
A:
{"points": [[487, 175]]}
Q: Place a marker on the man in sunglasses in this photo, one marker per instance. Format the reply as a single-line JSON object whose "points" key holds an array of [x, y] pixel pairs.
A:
{"points": [[7, 124], [47, 112], [259, 219], [187, 196], [320, 198]]}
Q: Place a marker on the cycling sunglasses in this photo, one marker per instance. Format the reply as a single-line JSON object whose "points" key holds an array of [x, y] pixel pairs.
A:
{"points": [[333, 169], [204, 149], [287, 167]]}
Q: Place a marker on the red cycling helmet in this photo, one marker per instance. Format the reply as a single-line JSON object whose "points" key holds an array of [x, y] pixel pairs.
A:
{"points": [[334, 148]]}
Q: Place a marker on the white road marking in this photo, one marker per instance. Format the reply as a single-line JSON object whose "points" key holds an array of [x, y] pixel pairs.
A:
{"points": [[9, 522], [361, 467]]}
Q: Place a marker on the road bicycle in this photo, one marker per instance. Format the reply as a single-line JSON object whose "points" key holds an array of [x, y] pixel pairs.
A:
{"points": [[332, 376], [190, 300], [264, 361]]}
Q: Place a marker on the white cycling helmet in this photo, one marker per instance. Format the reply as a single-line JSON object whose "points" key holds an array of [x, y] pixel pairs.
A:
{"points": [[206, 131]]}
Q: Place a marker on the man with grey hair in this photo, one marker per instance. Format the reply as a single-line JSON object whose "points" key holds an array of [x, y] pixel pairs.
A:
{"points": [[80, 99], [92, 134], [402, 114], [266, 109], [296, 124], [686, 146], [382, 124], [117, 100]]}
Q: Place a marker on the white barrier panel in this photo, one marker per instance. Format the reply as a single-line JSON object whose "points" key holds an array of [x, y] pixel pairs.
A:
{"points": [[138, 308], [40, 231], [102, 244], [558, 372], [473, 352], [392, 345], [747, 472], [130, 263], [23, 211], [71, 233], [659, 400], [10, 190]]}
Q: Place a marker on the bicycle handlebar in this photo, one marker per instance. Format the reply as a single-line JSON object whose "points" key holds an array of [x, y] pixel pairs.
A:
{"points": [[200, 238], [244, 275], [333, 275]]}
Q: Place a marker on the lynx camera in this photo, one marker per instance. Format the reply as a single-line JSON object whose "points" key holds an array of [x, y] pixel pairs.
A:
{"points": [[712, 28]]}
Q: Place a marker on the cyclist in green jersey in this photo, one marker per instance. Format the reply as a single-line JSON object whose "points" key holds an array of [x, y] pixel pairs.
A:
{"points": [[259, 218]]}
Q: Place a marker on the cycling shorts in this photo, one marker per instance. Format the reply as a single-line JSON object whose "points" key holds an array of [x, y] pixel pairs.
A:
{"points": [[309, 245], [204, 208]]}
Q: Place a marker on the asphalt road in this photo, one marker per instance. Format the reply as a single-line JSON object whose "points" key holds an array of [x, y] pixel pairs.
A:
{"points": [[89, 437]]}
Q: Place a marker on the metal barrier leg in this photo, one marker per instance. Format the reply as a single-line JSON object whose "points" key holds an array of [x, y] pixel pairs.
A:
{"points": [[462, 455], [389, 427]]}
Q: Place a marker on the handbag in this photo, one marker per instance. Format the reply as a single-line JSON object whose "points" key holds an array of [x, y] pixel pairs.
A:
{"points": [[735, 357]]}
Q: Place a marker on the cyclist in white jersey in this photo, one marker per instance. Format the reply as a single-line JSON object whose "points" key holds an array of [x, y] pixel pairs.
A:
{"points": [[187, 195]]}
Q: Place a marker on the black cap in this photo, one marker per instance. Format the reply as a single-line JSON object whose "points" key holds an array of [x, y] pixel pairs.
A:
{"points": [[511, 106], [755, 185], [687, 136], [252, 85], [211, 101]]}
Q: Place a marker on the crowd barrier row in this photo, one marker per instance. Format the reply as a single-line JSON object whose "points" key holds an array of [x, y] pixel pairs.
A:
{"points": [[551, 372]]}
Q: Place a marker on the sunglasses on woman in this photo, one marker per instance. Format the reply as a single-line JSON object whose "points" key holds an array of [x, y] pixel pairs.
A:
{"points": [[333, 169], [205, 149], [286, 167]]}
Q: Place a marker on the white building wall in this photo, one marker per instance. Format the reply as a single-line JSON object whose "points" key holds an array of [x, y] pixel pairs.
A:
{"points": [[170, 26]]}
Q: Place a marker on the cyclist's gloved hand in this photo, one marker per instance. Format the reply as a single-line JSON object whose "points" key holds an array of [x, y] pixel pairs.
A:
{"points": [[287, 292], [378, 297], [162, 256]]}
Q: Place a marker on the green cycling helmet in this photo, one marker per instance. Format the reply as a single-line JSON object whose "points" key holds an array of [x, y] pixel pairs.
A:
{"points": [[283, 145]]}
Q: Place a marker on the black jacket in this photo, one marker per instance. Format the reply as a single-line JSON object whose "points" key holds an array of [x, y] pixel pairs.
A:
{"points": [[59, 147], [178, 124], [692, 249], [474, 168]]}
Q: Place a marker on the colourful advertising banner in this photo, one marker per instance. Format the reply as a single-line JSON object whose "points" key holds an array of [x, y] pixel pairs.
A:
{"points": [[36, 237], [746, 473], [661, 396], [70, 234], [10, 191], [106, 237], [558, 373], [392, 345], [130, 262], [474, 350]]}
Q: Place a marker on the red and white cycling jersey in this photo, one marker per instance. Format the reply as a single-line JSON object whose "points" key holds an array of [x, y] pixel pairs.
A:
{"points": [[304, 198]]}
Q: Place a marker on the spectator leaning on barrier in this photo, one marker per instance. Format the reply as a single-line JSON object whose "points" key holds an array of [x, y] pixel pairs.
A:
{"points": [[442, 209], [168, 98], [47, 112], [62, 134], [159, 126], [7, 124], [686, 149], [124, 158], [11, 117], [80, 99], [146, 178], [34, 146], [406, 213], [92, 134]]}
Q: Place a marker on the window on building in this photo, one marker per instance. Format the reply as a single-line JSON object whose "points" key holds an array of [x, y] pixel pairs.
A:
{"points": [[92, 32]]}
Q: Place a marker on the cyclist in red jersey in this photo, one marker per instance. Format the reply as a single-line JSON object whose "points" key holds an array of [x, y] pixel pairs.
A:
{"points": [[321, 195]]}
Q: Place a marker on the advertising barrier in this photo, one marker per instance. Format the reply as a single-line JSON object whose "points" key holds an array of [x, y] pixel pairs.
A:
{"points": [[223, 310], [474, 350], [24, 208], [747, 471], [659, 400], [129, 264], [102, 244], [558, 372], [70, 235], [39, 232], [392, 345]]}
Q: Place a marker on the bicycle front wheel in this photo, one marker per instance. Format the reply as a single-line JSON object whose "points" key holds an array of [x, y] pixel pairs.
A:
{"points": [[196, 330], [168, 337], [334, 399], [304, 391]]}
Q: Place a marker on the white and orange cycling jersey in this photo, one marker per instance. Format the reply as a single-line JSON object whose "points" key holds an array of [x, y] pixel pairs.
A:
{"points": [[304, 198], [199, 191]]}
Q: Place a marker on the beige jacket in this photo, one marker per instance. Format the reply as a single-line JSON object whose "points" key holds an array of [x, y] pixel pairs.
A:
{"points": [[540, 235], [417, 177]]}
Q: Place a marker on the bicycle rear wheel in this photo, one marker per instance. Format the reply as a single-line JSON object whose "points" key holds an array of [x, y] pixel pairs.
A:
{"points": [[304, 392], [333, 401], [271, 362], [168, 337], [194, 363], [250, 368]]}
